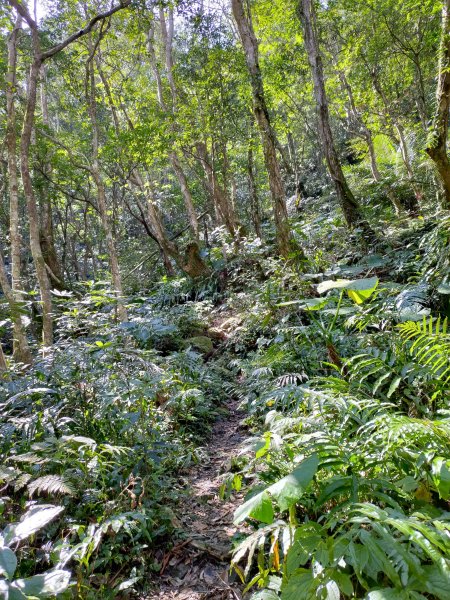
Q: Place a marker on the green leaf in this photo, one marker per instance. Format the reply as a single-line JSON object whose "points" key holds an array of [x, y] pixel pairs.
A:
{"points": [[265, 595], [33, 520], [332, 591], [306, 540], [8, 562], [44, 586], [286, 492], [440, 472], [258, 507], [301, 586], [394, 385], [307, 303], [314, 303], [388, 594], [344, 582], [444, 288], [362, 289], [262, 446], [291, 488], [7, 591], [330, 284], [437, 581], [358, 290]]}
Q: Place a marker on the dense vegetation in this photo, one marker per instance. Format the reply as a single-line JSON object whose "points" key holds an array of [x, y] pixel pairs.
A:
{"points": [[212, 200]]}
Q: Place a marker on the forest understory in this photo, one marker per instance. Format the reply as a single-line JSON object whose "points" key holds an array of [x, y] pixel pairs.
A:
{"points": [[225, 294]]}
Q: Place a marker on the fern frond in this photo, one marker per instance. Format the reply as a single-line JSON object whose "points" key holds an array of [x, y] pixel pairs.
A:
{"points": [[51, 484], [430, 344]]}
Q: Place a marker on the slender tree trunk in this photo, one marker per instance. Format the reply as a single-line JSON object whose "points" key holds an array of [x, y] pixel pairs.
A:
{"points": [[437, 141], [39, 58], [220, 198], [101, 193], [33, 213], [11, 146], [47, 228], [398, 136], [268, 138], [21, 350], [186, 192], [254, 200], [350, 206], [167, 37], [366, 134], [3, 364], [419, 88]]}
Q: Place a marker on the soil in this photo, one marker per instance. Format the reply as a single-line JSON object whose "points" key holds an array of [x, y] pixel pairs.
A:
{"points": [[197, 567]]}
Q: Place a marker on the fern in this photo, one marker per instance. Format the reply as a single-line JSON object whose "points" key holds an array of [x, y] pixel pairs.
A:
{"points": [[51, 484], [430, 345]]}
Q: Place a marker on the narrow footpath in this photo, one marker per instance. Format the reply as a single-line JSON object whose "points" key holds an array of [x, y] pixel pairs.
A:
{"points": [[197, 567]]}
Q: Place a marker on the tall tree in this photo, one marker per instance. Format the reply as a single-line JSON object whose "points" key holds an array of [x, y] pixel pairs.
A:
{"points": [[247, 35], [91, 90], [12, 292], [167, 32], [38, 58], [437, 141], [349, 204]]}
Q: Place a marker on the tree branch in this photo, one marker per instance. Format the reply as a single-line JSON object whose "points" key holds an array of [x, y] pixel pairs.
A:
{"points": [[22, 10]]}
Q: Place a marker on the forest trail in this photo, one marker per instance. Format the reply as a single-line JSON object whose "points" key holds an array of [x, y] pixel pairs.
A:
{"points": [[197, 567]]}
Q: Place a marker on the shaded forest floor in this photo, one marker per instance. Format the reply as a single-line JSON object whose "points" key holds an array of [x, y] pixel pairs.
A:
{"points": [[197, 566]]}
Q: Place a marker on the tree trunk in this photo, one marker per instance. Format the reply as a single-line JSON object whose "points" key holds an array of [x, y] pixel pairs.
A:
{"points": [[168, 247], [21, 350], [3, 364], [268, 138], [222, 204], [33, 213], [47, 229], [186, 192], [254, 200], [437, 141], [167, 36], [101, 194], [350, 206], [398, 136], [39, 58], [366, 134]]}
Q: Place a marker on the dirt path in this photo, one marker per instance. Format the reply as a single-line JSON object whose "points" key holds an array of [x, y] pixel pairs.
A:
{"points": [[197, 567]]}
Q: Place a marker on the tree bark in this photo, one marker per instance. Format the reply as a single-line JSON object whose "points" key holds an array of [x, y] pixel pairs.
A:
{"points": [[39, 57], [398, 136], [33, 213], [222, 204], [186, 193], [101, 193], [167, 37], [349, 204], [268, 138], [254, 200], [21, 349], [437, 141], [47, 228]]}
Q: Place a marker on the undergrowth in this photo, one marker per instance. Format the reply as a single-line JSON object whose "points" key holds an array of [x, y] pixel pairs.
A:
{"points": [[342, 366]]}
